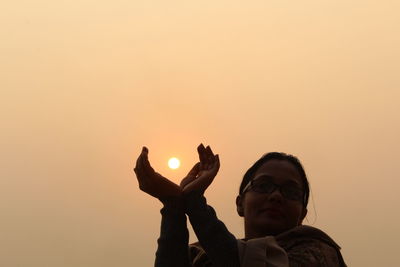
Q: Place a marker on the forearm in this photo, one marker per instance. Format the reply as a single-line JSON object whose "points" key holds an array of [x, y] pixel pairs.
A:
{"points": [[219, 244], [173, 242]]}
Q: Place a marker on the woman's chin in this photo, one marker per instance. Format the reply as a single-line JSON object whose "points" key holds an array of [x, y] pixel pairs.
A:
{"points": [[272, 226]]}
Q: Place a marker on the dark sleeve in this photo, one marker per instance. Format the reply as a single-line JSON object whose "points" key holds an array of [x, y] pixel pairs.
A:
{"points": [[219, 244], [174, 237]]}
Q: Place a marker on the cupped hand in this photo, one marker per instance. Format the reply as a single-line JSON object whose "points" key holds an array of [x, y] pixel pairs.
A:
{"points": [[203, 173], [152, 182]]}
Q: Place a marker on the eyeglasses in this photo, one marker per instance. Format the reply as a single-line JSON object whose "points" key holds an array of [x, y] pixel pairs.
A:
{"points": [[266, 186]]}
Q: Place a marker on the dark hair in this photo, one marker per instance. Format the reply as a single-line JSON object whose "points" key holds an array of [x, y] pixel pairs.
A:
{"points": [[277, 156]]}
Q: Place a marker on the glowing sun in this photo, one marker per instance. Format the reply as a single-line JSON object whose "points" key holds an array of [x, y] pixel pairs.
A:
{"points": [[174, 163]]}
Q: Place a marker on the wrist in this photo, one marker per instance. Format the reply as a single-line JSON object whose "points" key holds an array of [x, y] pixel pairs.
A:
{"points": [[194, 201], [172, 202]]}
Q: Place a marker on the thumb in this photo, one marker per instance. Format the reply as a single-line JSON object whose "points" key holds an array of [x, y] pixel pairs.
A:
{"points": [[191, 175]]}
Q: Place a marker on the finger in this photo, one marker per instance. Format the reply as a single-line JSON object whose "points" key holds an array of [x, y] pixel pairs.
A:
{"points": [[202, 156], [217, 163], [209, 152], [142, 169], [145, 161], [215, 167], [210, 157]]}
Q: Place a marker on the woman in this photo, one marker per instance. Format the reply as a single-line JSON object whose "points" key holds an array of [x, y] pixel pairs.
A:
{"points": [[272, 199]]}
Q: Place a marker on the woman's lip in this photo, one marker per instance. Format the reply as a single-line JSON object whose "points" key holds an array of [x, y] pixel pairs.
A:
{"points": [[273, 211]]}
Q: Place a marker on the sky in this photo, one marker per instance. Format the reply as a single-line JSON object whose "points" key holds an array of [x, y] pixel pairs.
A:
{"points": [[85, 84]]}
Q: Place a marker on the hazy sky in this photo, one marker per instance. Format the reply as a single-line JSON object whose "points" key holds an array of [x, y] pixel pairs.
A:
{"points": [[84, 84]]}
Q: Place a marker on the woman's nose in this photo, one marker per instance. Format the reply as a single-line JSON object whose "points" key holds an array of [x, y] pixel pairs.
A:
{"points": [[275, 196]]}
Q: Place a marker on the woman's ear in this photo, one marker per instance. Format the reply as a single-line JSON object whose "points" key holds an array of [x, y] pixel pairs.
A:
{"points": [[239, 205], [303, 215]]}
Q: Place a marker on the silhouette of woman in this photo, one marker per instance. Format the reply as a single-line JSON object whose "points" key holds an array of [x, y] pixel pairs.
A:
{"points": [[272, 199]]}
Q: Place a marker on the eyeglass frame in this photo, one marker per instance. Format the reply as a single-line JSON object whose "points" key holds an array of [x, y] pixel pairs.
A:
{"points": [[276, 186]]}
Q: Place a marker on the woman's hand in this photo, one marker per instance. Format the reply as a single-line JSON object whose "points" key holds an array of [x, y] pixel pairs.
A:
{"points": [[152, 182], [203, 172]]}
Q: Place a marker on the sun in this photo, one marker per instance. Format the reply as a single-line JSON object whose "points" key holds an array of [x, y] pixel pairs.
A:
{"points": [[174, 163]]}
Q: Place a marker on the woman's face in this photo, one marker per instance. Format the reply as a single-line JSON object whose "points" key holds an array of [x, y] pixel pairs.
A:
{"points": [[272, 213]]}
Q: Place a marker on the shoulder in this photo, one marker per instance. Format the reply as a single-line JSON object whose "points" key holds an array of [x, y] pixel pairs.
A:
{"points": [[310, 252], [309, 246]]}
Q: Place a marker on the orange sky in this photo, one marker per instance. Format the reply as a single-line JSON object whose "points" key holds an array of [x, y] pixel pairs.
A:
{"points": [[84, 84]]}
